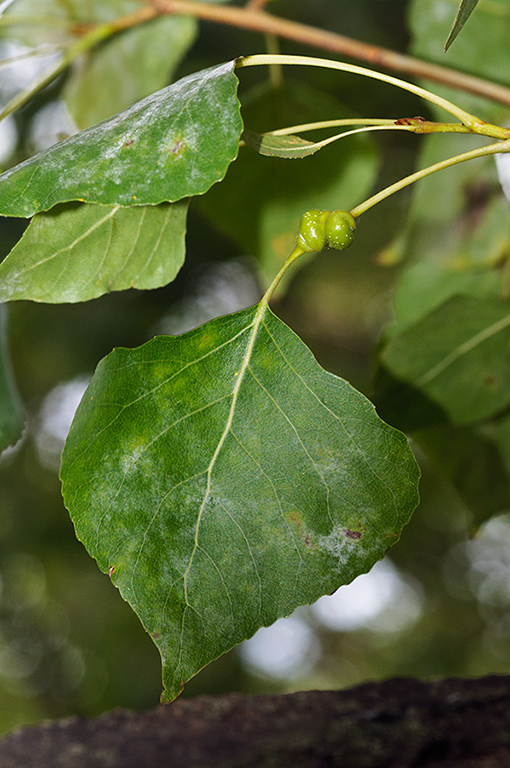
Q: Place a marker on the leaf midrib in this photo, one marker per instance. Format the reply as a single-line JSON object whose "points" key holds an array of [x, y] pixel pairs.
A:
{"points": [[257, 320], [463, 349]]}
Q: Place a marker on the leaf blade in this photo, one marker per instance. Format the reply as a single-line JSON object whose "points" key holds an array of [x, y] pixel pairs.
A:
{"points": [[246, 508], [465, 10], [457, 355], [290, 147], [78, 252], [162, 149]]}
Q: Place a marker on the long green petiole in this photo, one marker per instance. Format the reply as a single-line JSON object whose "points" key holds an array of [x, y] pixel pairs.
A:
{"points": [[311, 61], [344, 121], [491, 149], [473, 123], [296, 253]]}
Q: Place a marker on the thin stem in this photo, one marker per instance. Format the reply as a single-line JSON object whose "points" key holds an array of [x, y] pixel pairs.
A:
{"points": [[258, 20], [465, 117], [33, 53], [275, 73], [329, 124], [296, 253], [261, 21], [491, 149], [14, 20], [409, 124]]}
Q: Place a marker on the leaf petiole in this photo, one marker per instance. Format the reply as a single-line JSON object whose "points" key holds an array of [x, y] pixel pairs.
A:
{"points": [[491, 149], [345, 121], [296, 253], [466, 118]]}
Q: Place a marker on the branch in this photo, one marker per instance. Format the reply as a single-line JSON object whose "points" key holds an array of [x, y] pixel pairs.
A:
{"points": [[403, 722], [256, 19]]}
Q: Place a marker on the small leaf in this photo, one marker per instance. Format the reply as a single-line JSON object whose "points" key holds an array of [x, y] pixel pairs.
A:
{"points": [[169, 146], [466, 8], [11, 410], [223, 478], [290, 147], [77, 252], [458, 355]]}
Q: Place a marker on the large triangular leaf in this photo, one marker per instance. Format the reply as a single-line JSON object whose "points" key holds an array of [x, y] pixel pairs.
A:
{"points": [[223, 478], [168, 146], [78, 252], [466, 8]]}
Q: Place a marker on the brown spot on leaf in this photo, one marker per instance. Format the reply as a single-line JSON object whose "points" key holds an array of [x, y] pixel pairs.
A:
{"points": [[491, 382], [111, 570], [352, 534], [177, 147]]}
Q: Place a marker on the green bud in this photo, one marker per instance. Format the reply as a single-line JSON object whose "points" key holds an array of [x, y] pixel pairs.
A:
{"points": [[312, 235], [340, 227]]}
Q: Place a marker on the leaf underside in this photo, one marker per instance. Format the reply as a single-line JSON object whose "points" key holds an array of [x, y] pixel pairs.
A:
{"points": [[223, 478], [77, 252], [166, 147]]}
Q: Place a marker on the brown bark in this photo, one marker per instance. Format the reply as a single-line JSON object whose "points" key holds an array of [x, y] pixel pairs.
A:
{"points": [[401, 723]]}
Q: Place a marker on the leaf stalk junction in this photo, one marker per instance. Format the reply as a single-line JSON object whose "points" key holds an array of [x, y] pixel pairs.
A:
{"points": [[468, 123]]}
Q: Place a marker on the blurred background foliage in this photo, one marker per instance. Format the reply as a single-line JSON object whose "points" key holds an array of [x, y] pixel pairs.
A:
{"points": [[439, 604]]}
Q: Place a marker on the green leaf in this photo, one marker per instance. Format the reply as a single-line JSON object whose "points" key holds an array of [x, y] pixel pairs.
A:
{"points": [[466, 8], [11, 410], [290, 147], [223, 478], [425, 285], [77, 252], [168, 146], [126, 68], [458, 355]]}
